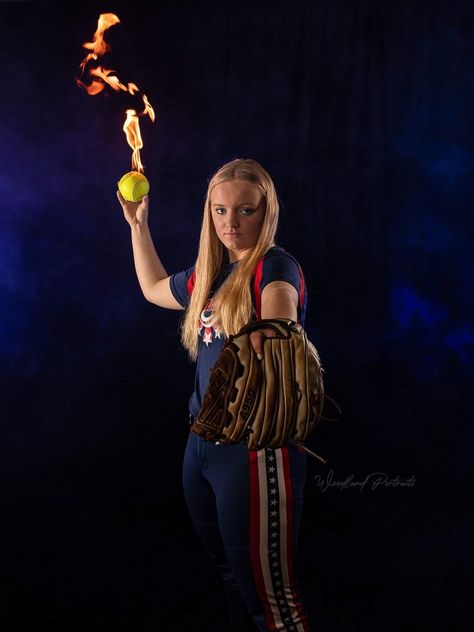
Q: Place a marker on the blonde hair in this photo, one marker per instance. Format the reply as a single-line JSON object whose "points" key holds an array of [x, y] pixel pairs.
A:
{"points": [[232, 304]]}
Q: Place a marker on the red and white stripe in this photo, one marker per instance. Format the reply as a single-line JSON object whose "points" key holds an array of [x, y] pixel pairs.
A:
{"points": [[271, 512]]}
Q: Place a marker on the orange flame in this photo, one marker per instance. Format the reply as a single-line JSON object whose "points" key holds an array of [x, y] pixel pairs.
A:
{"points": [[102, 76], [131, 127]]}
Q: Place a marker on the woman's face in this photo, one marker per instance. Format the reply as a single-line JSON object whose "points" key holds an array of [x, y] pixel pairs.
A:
{"points": [[237, 210]]}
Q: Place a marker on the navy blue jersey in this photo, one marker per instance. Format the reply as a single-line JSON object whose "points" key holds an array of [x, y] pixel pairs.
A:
{"points": [[276, 265]]}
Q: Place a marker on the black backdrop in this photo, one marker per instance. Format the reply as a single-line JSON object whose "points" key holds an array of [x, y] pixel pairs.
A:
{"points": [[359, 110]]}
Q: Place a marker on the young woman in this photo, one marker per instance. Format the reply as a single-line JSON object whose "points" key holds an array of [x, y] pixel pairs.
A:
{"points": [[245, 504]]}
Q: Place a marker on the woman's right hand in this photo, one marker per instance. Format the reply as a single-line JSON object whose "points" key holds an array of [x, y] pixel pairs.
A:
{"points": [[134, 212]]}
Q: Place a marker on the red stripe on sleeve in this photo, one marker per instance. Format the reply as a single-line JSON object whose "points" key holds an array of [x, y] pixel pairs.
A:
{"points": [[302, 289], [302, 285], [256, 288], [191, 282]]}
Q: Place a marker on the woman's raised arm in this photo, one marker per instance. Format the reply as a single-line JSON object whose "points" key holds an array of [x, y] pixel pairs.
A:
{"points": [[152, 276]]}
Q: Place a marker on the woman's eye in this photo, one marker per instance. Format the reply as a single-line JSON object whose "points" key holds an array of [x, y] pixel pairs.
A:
{"points": [[243, 211]]}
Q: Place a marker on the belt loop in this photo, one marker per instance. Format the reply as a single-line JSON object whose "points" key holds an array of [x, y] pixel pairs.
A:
{"points": [[191, 419]]}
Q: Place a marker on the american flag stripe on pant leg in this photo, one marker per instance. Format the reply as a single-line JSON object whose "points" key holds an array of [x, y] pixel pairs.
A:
{"points": [[271, 539]]}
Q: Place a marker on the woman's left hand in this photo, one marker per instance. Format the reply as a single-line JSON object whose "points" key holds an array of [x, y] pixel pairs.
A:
{"points": [[257, 339]]}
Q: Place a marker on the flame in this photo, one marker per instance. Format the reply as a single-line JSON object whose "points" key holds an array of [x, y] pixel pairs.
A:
{"points": [[101, 77], [131, 127], [99, 46]]}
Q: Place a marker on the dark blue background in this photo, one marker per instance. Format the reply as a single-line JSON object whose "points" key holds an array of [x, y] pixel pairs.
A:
{"points": [[359, 110]]}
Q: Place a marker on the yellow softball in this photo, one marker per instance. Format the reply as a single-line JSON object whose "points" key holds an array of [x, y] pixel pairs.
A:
{"points": [[133, 186]]}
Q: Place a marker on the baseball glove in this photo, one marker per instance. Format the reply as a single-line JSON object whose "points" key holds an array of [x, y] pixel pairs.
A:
{"points": [[263, 403]]}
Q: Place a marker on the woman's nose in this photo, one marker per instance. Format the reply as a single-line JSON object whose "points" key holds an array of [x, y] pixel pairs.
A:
{"points": [[232, 219]]}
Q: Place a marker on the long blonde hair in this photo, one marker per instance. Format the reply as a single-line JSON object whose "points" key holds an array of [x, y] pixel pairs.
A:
{"points": [[232, 304]]}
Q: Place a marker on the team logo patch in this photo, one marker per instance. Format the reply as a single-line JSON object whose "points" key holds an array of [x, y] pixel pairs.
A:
{"points": [[207, 328]]}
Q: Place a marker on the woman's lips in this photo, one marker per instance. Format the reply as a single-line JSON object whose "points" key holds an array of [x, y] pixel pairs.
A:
{"points": [[232, 234]]}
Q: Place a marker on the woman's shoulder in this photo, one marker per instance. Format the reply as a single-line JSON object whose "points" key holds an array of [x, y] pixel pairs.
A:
{"points": [[279, 253], [278, 265], [182, 284]]}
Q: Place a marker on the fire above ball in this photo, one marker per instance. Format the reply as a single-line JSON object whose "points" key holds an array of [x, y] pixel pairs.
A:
{"points": [[133, 186]]}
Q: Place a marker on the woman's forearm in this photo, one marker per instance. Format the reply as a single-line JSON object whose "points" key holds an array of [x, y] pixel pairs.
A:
{"points": [[148, 266]]}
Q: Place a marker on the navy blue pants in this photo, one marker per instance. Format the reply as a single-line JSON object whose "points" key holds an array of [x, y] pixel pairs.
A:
{"points": [[246, 507]]}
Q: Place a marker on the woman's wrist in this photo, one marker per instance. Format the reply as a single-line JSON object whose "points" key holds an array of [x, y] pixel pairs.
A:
{"points": [[139, 227]]}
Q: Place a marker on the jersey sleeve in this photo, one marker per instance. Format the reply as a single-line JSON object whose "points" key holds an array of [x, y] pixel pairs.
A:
{"points": [[280, 266], [181, 285]]}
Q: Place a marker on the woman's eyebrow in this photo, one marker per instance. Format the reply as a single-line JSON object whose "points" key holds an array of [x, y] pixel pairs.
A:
{"points": [[242, 204]]}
